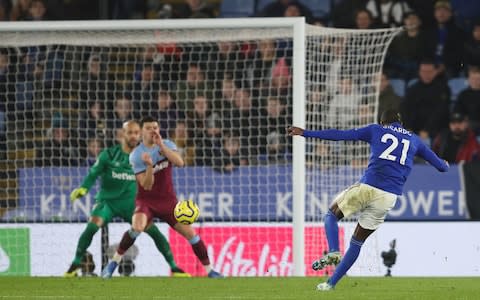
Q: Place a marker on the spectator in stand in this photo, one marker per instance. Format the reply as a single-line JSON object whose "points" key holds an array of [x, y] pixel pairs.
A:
{"points": [[343, 12], [212, 140], [122, 112], [281, 78], [264, 63], [444, 46], [195, 9], [37, 11], [408, 48], [286, 8], [230, 156], [468, 101], [426, 105], [245, 117], [424, 9], [388, 99], [166, 112], [144, 90], [93, 122], [472, 47], [457, 143], [20, 10], [276, 149], [365, 113], [363, 19], [226, 57], [26, 78], [322, 157], [197, 125], [388, 13], [93, 84], [264, 59], [165, 61], [224, 101], [296, 9], [274, 120], [184, 145], [343, 107], [94, 146], [59, 149], [194, 84]]}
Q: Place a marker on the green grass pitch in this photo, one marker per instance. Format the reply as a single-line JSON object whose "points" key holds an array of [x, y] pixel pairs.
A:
{"points": [[236, 288]]}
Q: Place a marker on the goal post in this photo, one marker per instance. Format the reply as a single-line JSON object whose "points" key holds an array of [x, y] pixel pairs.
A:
{"points": [[298, 149], [224, 90]]}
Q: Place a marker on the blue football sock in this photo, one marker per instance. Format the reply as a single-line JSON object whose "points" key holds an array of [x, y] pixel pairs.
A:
{"points": [[133, 234], [348, 260], [194, 240], [331, 229]]}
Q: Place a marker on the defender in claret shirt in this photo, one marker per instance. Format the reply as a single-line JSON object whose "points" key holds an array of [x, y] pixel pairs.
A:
{"points": [[152, 162], [392, 151], [116, 198]]}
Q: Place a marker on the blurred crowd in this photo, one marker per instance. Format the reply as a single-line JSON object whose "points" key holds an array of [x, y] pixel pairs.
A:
{"points": [[227, 104]]}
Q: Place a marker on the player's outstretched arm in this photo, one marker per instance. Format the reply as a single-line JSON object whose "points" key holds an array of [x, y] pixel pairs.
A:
{"points": [[362, 134], [78, 193], [292, 130], [430, 156], [89, 180]]}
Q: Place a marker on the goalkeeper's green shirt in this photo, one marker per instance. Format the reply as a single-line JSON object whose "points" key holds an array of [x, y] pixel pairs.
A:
{"points": [[118, 183]]}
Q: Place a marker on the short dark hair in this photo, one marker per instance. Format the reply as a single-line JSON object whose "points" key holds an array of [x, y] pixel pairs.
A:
{"points": [[147, 119], [428, 61], [390, 116], [409, 14], [363, 10], [473, 69]]}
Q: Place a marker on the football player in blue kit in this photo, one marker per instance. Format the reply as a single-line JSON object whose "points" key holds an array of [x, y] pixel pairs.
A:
{"points": [[393, 149]]}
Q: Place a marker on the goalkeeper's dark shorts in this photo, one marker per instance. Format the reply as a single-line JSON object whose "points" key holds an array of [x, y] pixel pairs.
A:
{"points": [[165, 212], [107, 211]]}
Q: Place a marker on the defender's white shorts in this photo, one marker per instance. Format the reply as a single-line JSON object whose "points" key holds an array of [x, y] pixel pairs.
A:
{"points": [[372, 203]]}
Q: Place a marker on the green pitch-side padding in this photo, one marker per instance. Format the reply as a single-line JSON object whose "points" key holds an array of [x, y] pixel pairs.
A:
{"points": [[14, 251]]}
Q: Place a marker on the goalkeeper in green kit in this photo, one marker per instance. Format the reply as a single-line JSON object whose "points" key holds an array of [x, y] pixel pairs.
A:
{"points": [[116, 197]]}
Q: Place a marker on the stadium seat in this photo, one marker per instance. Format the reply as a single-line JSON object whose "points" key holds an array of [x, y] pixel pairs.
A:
{"points": [[398, 86], [457, 85], [237, 8]]}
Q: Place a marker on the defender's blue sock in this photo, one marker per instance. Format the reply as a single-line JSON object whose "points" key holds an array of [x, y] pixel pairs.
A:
{"points": [[200, 251], [331, 229], [348, 260], [194, 240]]}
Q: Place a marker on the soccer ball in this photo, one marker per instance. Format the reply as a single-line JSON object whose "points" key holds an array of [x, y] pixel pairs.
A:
{"points": [[186, 212]]}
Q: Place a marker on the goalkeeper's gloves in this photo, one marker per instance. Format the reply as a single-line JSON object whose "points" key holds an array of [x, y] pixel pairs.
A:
{"points": [[78, 193]]}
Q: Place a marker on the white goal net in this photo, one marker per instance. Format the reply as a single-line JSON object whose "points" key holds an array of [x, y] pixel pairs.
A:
{"points": [[223, 91]]}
